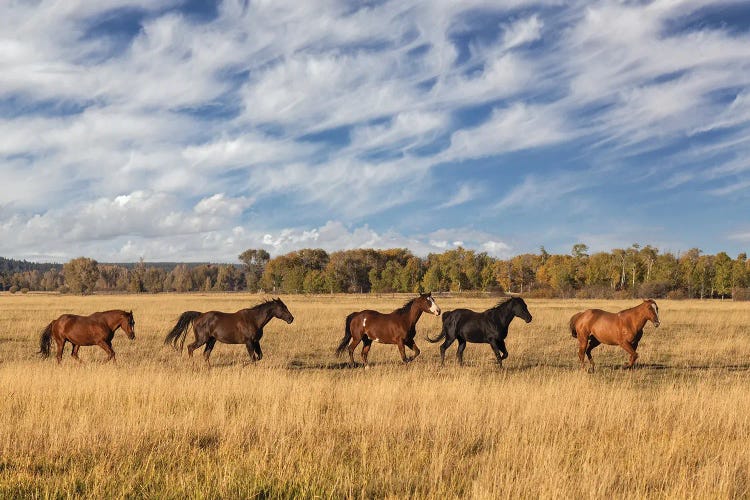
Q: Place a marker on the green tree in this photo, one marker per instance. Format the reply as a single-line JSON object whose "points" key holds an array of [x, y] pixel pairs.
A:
{"points": [[723, 274]]}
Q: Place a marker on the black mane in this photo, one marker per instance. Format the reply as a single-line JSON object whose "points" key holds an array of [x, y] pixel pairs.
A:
{"points": [[406, 307], [262, 304], [502, 304]]}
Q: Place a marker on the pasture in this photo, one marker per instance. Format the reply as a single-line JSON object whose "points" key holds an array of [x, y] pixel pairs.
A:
{"points": [[301, 423]]}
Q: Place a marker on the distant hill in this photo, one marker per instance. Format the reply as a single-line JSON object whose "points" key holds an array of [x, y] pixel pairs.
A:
{"points": [[10, 266]]}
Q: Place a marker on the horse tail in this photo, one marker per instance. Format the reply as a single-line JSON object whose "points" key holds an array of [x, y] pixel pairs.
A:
{"points": [[444, 332], [347, 335], [572, 324], [180, 329], [45, 340]]}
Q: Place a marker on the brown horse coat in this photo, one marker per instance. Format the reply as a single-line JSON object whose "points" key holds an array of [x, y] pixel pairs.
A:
{"points": [[625, 328], [242, 327], [397, 327], [96, 329]]}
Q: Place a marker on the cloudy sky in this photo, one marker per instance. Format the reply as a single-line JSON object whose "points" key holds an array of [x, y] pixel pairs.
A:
{"points": [[191, 130]]}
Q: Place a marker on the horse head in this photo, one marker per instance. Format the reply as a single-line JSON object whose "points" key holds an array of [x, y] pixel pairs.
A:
{"points": [[281, 311], [427, 304], [652, 311], [128, 324], [520, 309]]}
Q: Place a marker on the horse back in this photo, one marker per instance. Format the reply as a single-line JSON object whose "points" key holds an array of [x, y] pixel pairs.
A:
{"points": [[471, 325], [604, 325], [81, 330]]}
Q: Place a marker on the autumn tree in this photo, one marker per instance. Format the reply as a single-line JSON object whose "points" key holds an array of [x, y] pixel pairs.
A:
{"points": [[81, 275]]}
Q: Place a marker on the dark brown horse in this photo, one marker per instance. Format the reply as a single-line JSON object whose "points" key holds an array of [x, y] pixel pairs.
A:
{"points": [[96, 329], [625, 328], [398, 327], [242, 327]]}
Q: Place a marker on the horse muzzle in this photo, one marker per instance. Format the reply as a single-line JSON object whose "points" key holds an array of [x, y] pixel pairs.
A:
{"points": [[656, 324]]}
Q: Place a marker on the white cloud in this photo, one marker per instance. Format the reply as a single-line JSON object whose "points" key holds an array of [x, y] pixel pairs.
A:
{"points": [[343, 112], [465, 193]]}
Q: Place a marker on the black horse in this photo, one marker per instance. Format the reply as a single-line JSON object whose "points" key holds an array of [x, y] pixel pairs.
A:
{"points": [[490, 327]]}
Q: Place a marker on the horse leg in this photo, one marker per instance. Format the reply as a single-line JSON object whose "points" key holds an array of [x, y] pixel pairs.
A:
{"points": [[583, 341], [353, 345], [501, 346], [460, 353], [251, 350], [60, 346], [107, 346], [593, 342], [207, 351], [75, 353], [402, 351], [637, 339], [199, 341], [258, 352], [413, 346], [444, 346], [633, 355], [365, 349], [498, 352]]}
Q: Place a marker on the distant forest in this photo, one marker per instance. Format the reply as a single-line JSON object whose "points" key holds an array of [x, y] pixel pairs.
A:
{"points": [[621, 273]]}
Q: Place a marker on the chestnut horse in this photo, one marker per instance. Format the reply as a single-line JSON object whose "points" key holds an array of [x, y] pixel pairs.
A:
{"points": [[625, 328], [97, 329], [242, 327], [398, 327]]}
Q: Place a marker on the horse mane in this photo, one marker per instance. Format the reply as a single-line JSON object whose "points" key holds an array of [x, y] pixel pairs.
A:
{"points": [[501, 304], [406, 307], [264, 303]]}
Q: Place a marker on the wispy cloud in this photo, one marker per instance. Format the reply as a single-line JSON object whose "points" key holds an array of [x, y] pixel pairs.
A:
{"points": [[354, 114]]}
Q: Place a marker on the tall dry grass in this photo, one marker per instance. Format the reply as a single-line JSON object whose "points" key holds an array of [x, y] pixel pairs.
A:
{"points": [[301, 424]]}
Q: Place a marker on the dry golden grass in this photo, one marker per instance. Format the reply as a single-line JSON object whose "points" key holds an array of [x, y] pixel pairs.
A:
{"points": [[299, 424]]}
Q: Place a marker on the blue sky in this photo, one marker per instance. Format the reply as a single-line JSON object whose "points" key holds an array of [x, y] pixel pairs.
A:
{"points": [[190, 130]]}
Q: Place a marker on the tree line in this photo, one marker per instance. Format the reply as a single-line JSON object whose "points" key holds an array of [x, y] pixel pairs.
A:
{"points": [[637, 271]]}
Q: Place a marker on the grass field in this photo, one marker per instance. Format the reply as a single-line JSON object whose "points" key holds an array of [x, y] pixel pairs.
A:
{"points": [[300, 423]]}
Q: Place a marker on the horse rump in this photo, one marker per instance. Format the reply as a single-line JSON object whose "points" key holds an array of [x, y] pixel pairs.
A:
{"points": [[572, 324], [347, 334], [448, 322]]}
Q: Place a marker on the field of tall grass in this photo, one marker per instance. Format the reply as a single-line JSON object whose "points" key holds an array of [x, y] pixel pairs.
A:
{"points": [[300, 423]]}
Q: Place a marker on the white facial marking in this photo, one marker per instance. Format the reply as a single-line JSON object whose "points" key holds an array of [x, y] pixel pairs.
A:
{"points": [[656, 310], [434, 306]]}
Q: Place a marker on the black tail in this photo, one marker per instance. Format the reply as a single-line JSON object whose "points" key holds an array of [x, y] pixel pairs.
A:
{"points": [[180, 329], [45, 340], [446, 317], [347, 335], [572, 325]]}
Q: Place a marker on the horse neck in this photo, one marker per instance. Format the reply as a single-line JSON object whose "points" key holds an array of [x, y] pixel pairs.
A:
{"points": [[637, 315], [264, 315], [502, 314], [113, 319], [415, 312]]}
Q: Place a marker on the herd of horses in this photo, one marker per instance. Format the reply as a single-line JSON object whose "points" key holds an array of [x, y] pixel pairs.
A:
{"points": [[590, 327]]}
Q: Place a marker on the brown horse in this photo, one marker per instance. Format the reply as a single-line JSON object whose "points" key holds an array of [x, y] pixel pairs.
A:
{"points": [[398, 327], [96, 329], [625, 328], [242, 327]]}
